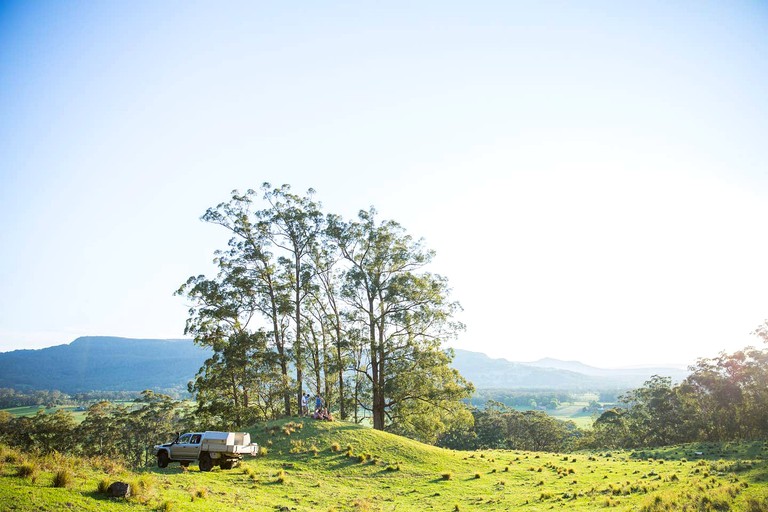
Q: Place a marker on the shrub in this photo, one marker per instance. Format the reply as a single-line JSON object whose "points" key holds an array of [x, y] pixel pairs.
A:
{"points": [[63, 478], [447, 475], [313, 450], [335, 447], [477, 475], [263, 451], [166, 506]]}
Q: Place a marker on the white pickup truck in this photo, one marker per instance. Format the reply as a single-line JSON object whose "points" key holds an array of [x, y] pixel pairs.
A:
{"points": [[209, 448]]}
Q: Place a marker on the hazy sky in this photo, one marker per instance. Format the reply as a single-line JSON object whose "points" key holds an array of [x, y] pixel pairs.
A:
{"points": [[592, 175]]}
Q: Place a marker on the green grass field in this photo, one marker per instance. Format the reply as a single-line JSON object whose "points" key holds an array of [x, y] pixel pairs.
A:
{"points": [[31, 410], [336, 466]]}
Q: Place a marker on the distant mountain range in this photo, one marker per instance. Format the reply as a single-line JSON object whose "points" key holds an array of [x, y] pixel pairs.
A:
{"points": [[123, 364], [99, 363], [488, 373]]}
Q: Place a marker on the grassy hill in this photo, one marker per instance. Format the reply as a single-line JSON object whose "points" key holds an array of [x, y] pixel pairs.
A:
{"points": [[336, 466]]}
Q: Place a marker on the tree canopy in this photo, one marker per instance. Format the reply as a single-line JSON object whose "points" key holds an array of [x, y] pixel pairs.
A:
{"points": [[347, 309]]}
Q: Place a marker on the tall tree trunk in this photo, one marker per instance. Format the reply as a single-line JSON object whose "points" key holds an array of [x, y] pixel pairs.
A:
{"points": [[297, 347], [378, 391], [342, 409], [280, 345]]}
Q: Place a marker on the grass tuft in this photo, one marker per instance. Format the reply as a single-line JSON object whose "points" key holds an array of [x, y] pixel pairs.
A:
{"points": [[27, 470], [199, 493], [63, 478], [103, 486]]}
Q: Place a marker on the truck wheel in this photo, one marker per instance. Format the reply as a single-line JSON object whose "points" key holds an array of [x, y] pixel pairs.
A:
{"points": [[205, 463], [162, 459]]}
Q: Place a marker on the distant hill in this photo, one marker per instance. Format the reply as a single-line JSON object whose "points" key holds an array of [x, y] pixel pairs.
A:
{"points": [[97, 363], [489, 373], [640, 372], [104, 364]]}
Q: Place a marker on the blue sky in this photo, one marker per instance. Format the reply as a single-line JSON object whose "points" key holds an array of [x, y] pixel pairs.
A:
{"points": [[592, 175]]}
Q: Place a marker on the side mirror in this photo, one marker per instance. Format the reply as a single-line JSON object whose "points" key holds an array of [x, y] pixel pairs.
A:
{"points": [[176, 439]]}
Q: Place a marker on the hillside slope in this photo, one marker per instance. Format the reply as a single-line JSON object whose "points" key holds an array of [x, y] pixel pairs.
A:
{"points": [[342, 467]]}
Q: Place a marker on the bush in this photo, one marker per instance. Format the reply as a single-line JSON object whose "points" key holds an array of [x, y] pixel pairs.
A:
{"points": [[335, 447], [447, 475]]}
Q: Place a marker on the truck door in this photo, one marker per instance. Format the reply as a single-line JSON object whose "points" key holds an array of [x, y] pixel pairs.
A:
{"points": [[182, 450]]}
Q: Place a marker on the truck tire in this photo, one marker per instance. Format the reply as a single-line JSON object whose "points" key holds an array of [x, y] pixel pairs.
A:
{"points": [[162, 459], [205, 463]]}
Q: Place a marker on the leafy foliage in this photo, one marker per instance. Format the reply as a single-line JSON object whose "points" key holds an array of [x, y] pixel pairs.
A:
{"points": [[347, 305], [724, 399]]}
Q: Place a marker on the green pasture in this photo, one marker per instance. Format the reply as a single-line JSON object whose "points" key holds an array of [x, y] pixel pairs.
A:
{"points": [[78, 412], [337, 466], [571, 411]]}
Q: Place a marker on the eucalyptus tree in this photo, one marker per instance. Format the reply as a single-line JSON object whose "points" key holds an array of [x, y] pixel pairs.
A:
{"points": [[407, 316], [220, 318], [293, 224], [250, 281], [327, 311]]}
